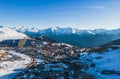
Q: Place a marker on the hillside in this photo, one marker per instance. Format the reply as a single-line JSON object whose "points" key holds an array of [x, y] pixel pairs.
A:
{"points": [[104, 64], [7, 33]]}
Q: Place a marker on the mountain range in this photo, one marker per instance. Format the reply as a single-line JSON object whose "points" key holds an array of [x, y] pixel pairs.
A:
{"points": [[76, 37]]}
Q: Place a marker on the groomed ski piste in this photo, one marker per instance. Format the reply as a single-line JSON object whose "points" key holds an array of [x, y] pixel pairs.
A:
{"points": [[10, 69]]}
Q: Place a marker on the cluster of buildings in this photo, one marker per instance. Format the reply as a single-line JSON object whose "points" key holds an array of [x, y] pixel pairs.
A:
{"points": [[61, 61]]}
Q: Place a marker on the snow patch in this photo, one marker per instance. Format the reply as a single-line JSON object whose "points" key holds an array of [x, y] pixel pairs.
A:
{"points": [[10, 69], [105, 61], [7, 33]]}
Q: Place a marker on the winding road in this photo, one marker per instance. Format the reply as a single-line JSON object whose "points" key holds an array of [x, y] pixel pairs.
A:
{"points": [[10, 69]]}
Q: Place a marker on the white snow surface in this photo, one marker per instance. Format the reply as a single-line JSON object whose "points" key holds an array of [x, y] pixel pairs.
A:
{"points": [[67, 30], [10, 69], [7, 33], [109, 61]]}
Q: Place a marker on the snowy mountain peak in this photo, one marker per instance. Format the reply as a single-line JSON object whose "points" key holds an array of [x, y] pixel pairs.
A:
{"points": [[33, 29], [7, 33], [66, 30], [54, 28]]}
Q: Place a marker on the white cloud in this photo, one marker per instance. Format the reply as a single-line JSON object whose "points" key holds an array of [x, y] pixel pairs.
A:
{"points": [[97, 7]]}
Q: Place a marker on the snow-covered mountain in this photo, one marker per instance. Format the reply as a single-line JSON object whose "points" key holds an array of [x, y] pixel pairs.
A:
{"points": [[7, 33], [105, 64], [66, 30], [80, 38]]}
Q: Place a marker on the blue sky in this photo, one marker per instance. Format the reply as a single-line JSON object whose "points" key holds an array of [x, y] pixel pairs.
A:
{"points": [[82, 14]]}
